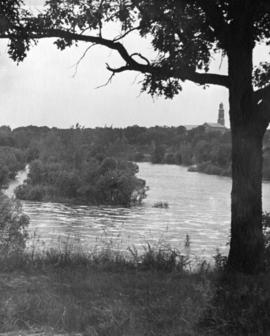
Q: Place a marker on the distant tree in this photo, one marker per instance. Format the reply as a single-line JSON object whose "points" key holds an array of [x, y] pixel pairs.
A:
{"points": [[186, 154], [134, 134], [4, 175], [185, 34], [158, 154], [169, 158], [201, 151]]}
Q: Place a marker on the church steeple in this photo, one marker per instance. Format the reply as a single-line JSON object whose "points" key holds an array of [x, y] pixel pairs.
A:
{"points": [[221, 119]]}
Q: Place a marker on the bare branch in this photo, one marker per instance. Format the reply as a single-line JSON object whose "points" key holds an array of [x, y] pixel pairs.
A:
{"points": [[118, 70], [108, 81], [135, 78], [76, 65], [120, 37]]}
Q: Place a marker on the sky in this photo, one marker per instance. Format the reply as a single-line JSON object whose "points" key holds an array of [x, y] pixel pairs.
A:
{"points": [[45, 90]]}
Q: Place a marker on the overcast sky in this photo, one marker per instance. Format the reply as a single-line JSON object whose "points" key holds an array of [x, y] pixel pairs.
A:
{"points": [[44, 91]]}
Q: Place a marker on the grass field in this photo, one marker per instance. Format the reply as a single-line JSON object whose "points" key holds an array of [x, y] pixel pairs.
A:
{"points": [[102, 294], [105, 294]]}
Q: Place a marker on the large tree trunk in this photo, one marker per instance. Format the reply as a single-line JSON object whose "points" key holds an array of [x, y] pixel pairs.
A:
{"points": [[246, 248], [247, 128]]}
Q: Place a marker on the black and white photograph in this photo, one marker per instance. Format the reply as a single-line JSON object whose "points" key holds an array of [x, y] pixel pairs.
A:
{"points": [[134, 167]]}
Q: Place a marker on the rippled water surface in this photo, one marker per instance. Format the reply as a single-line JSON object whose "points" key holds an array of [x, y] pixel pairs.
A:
{"points": [[199, 206]]}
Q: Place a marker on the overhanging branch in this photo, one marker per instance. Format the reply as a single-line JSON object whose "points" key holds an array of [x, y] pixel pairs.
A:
{"points": [[120, 37], [130, 63], [207, 78]]}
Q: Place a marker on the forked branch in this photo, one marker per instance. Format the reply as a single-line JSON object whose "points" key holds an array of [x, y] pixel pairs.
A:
{"points": [[131, 64]]}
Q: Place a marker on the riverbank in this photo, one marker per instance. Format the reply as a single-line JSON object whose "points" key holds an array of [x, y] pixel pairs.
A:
{"points": [[67, 294], [210, 168], [102, 294]]}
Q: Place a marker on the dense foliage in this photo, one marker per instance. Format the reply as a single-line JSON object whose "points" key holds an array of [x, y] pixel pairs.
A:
{"points": [[12, 158], [79, 166], [210, 152], [13, 224], [94, 165]]}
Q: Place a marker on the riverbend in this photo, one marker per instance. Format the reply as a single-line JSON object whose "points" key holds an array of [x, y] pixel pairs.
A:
{"points": [[198, 206]]}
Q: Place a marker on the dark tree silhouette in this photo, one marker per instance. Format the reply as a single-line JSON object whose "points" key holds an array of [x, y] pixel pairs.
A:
{"points": [[185, 33]]}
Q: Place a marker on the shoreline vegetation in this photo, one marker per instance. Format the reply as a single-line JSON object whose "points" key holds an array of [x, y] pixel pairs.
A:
{"points": [[68, 295], [64, 291], [85, 150], [95, 166], [103, 292], [109, 182]]}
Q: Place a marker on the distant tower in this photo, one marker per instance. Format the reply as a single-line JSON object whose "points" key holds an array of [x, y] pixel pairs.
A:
{"points": [[221, 119]]}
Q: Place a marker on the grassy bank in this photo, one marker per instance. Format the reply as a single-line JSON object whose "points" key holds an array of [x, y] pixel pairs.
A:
{"points": [[102, 294], [67, 291], [107, 294]]}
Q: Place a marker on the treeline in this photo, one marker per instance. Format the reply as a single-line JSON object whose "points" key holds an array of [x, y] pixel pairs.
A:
{"points": [[208, 152], [94, 165]]}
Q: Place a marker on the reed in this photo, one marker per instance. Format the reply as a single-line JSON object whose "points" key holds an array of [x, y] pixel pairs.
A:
{"points": [[102, 292]]}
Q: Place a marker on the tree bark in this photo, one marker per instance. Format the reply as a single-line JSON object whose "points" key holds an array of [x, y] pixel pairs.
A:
{"points": [[246, 247], [247, 129]]}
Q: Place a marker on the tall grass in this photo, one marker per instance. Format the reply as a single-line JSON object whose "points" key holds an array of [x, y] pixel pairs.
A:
{"points": [[102, 293], [107, 292], [158, 257]]}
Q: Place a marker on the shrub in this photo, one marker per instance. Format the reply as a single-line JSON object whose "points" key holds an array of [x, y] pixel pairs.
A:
{"points": [[162, 205], [30, 192], [110, 181], [138, 157], [240, 306], [266, 231], [13, 224], [241, 303], [169, 158]]}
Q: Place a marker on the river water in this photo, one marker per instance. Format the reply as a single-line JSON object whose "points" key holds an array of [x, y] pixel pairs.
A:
{"points": [[199, 206]]}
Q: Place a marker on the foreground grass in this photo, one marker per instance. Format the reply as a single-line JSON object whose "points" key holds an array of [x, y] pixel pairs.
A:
{"points": [[102, 295], [107, 294]]}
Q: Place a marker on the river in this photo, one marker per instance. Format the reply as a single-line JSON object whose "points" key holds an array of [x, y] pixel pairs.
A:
{"points": [[199, 206]]}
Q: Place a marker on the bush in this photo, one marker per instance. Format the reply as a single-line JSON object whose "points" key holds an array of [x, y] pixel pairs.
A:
{"points": [[241, 303], [13, 224], [162, 205], [111, 182], [266, 231], [169, 158], [210, 168], [157, 155], [138, 157], [240, 306], [30, 192]]}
